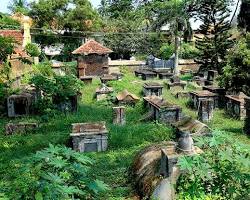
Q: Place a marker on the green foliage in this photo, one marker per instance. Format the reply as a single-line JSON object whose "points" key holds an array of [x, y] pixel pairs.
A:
{"points": [[33, 50], [55, 173], [188, 51], [215, 28], [8, 23], [222, 170], [166, 51], [56, 89], [19, 6], [236, 73], [6, 47]]}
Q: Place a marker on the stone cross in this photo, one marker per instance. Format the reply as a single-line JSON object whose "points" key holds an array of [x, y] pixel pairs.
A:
{"points": [[119, 115], [205, 110]]}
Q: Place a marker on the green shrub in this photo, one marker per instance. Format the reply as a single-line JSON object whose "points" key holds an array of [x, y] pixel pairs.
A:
{"points": [[166, 51], [223, 169], [33, 50], [188, 51], [55, 173]]}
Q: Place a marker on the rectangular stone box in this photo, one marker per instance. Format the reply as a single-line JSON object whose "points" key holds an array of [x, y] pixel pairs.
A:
{"points": [[89, 137], [221, 94], [22, 127], [145, 75], [162, 111], [103, 92], [152, 88], [165, 75], [86, 79], [235, 105], [108, 77], [196, 96], [19, 105]]}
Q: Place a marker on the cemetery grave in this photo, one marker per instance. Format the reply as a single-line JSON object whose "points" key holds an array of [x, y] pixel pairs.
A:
{"points": [[123, 141]]}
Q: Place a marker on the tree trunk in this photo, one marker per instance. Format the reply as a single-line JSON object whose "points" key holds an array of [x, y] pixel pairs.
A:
{"points": [[176, 58]]}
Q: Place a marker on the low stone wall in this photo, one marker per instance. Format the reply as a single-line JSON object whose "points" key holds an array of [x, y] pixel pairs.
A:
{"points": [[22, 127]]}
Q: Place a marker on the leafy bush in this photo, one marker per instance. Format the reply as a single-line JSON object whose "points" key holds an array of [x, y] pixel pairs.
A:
{"points": [[55, 88], [33, 50], [6, 47], [236, 72], [188, 51], [222, 170], [55, 173], [166, 51]]}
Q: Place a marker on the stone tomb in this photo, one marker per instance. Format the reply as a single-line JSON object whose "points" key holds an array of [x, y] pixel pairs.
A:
{"points": [[161, 110], [119, 115], [205, 110], [170, 154], [152, 88], [199, 80], [146, 74], [86, 79], [102, 92], [19, 104], [211, 77], [89, 137], [108, 77], [176, 84], [221, 94], [22, 127], [181, 95], [165, 75], [235, 105], [191, 126], [126, 97], [196, 97]]}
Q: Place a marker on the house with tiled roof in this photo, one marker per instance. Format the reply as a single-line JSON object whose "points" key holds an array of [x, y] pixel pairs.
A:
{"points": [[92, 59]]}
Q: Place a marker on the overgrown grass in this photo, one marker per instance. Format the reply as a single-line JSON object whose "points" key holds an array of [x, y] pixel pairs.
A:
{"points": [[124, 141]]}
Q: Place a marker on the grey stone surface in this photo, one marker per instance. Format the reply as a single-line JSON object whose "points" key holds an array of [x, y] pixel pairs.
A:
{"points": [[88, 137], [119, 115], [205, 110], [22, 127]]}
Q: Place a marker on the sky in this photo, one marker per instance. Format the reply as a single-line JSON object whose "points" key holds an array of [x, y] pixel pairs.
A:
{"points": [[4, 4]]}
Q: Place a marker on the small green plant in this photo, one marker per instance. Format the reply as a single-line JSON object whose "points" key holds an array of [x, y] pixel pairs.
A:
{"points": [[166, 51], [188, 51], [56, 172], [33, 50], [223, 169]]}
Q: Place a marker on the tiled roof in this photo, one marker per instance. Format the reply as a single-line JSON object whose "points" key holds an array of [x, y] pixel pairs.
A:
{"points": [[92, 47], [15, 34], [125, 94]]}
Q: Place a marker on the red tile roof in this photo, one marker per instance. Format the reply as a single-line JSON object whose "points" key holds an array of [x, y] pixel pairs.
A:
{"points": [[92, 47], [15, 34]]}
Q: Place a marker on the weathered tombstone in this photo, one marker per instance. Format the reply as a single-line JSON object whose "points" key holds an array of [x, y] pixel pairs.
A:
{"points": [[126, 97], [205, 110], [108, 77], [102, 92], [236, 105], [152, 88], [15, 128], [119, 115], [89, 137], [162, 111], [19, 105], [196, 96], [146, 74]]}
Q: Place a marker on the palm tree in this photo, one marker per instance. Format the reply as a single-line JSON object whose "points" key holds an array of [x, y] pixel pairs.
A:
{"points": [[176, 14]]}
